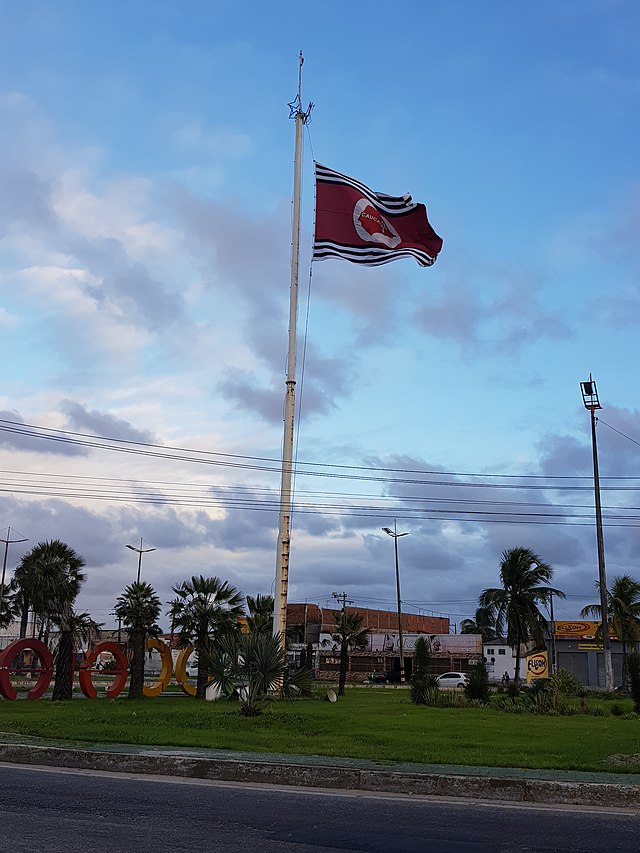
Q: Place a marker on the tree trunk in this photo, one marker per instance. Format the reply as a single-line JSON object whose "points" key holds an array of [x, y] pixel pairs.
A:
{"points": [[63, 684], [344, 665], [136, 672], [203, 674], [517, 675], [24, 619]]}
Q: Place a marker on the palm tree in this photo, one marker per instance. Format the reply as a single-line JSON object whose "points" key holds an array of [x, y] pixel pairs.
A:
{"points": [[138, 607], [350, 636], [10, 606], [255, 665], [515, 605], [623, 608], [175, 608], [49, 578], [421, 655], [483, 623], [43, 575], [260, 618], [208, 609], [73, 628]]}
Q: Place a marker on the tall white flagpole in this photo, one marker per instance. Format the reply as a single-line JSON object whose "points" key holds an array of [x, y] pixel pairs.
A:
{"points": [[284, 527]]}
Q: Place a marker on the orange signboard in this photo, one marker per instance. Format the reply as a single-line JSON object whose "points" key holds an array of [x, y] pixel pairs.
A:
{"points": [[579, 629]]}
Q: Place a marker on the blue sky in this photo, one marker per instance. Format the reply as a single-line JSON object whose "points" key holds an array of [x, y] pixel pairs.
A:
{"points": [[145, 201]]}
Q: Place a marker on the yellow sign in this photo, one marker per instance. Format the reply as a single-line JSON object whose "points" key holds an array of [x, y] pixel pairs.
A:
{"points": [[588, 647], [577, 630], [537, 666]]}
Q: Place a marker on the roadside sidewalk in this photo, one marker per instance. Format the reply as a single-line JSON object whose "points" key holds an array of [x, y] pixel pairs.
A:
{"points": [[551, 787]]}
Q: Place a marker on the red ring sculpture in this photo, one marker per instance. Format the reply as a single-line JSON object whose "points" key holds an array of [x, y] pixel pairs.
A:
{"points": [[45, 669], [85, 675]]}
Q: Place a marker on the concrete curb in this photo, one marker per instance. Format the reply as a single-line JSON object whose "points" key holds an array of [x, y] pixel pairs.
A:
{"points": [[512, 789]]}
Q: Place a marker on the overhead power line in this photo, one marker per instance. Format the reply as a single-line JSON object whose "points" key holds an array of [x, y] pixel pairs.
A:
{"points": [[414, 507], [219, 458]]}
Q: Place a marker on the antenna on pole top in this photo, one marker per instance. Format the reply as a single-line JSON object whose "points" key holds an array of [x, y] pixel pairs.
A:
{"points": [[295, 107]]}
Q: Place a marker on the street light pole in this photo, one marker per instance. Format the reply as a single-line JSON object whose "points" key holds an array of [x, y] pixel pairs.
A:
{"points": [[8, 541], [591, 403], [140, 551], [394, 533]]}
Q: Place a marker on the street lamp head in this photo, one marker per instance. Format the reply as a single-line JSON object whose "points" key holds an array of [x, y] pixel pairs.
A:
{"points": [[590, 394], [393, 533], [131, 547]]}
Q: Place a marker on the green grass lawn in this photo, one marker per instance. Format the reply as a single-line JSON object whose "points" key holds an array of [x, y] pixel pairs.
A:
{"points": [[381, 725]]}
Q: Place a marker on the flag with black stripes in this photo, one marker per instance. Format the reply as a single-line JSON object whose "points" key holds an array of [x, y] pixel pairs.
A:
{"points": [[356, 224]]}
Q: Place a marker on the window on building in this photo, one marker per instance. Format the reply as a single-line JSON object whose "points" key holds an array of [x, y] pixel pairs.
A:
{"points": [[490, 652], [501, 651]]}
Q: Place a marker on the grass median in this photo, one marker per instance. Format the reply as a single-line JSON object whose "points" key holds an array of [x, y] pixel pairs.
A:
{"points": [[376, 724]]}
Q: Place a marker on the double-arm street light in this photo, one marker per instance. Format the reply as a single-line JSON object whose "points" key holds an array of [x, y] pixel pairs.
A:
{"points": [[394, 533], [592, 403], [140, 551]]}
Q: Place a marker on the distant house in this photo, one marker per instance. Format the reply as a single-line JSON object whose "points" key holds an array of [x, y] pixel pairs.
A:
{"points": [[309, 630], [500, 658]]}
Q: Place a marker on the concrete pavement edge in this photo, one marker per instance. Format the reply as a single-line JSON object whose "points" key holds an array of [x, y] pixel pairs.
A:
{"points": [[513, 789]]}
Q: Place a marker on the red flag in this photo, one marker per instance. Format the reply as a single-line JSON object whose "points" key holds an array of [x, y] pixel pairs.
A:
{"points": [[358, 225]]}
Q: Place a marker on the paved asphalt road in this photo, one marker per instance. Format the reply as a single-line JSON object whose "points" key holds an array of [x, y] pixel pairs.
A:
{"points": [[71, 811]]}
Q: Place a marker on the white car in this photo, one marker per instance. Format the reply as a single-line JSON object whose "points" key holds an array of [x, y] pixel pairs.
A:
{"points": [[452, 680]]}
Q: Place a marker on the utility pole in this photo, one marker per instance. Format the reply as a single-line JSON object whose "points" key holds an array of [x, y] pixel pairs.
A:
{"points": [[554, 649], [394, 533], [7, 541], [592, 403], [343, 597]]}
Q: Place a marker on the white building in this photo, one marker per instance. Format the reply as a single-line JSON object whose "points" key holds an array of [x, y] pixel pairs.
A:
{"points": [[500, 658], [9, 634]]}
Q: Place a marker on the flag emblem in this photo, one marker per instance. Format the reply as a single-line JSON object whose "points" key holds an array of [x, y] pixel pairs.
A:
{"points": [[358, 225]]}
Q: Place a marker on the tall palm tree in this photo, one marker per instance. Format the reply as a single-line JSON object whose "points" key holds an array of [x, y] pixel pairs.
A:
{"points": [[51, 569], [49, 578], [10, 607], [138, 607], [483, 623], [260, 618], [349, 636], [623, 607], [73, 628], [175, 608], [209, 608], [515, 605]]}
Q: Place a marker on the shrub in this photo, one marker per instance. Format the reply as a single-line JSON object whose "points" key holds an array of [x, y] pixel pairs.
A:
{"points": [[477, 688], [511, 706], [633, 668], [565, 682], [421, 657], [616, 709], [450, 699], [597, 711], [424, 690], [513, 690]]}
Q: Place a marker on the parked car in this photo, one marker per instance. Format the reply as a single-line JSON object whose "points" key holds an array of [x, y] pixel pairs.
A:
{"points": [[452, 680], [379, 678]]}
